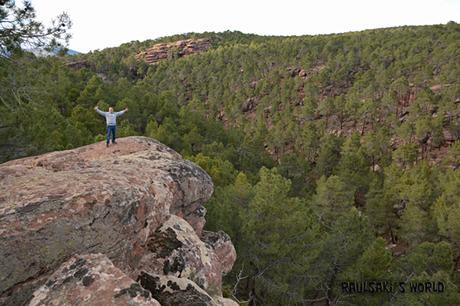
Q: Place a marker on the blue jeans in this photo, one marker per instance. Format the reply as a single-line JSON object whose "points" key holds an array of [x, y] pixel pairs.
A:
{"points": [[111, 130]]}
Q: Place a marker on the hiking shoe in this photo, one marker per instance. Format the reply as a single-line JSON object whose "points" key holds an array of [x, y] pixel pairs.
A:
{"points": [[107, 145], [114, 142]]}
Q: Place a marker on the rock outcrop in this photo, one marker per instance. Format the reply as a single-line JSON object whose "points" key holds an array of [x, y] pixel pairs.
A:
{"points": [[175, 249], [176, 49], [91, 280], [138, 203]]}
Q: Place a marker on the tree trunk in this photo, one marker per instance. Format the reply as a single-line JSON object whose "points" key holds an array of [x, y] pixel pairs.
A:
{"points": [[363, 127]]}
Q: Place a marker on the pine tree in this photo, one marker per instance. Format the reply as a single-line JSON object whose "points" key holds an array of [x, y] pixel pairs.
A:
{"points": [[332, 199], [277, 230]]}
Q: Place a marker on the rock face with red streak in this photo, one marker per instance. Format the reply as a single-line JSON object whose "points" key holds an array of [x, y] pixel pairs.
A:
{"points": [[128, 202], [176, 49]]}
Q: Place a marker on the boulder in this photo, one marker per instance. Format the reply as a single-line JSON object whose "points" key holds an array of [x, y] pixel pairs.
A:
{"points": [[120, 201], [175, 249], [222, 248]]}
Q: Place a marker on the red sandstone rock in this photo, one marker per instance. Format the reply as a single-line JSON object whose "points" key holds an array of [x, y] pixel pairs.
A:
{"points": [[176, 250], [175, 49], [112, 201]]}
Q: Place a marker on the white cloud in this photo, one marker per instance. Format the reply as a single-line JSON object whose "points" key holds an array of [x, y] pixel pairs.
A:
{"points": [[103, 23]]}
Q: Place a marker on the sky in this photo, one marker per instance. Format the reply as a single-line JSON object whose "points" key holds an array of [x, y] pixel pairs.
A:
{"points": [[98, 24]]}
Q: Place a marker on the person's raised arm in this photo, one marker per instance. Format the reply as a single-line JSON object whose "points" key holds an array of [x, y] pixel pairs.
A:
{"points": [[99, 111], [121, 112]]}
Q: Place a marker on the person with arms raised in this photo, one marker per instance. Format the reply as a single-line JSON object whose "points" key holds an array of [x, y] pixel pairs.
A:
{"points": [[111, 120]]}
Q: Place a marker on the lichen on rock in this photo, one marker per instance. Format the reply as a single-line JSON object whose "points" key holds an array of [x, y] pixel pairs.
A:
{"points": [[91, 280]]}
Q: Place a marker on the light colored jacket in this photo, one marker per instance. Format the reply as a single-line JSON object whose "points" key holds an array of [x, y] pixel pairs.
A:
{"points": [[110, 118]]}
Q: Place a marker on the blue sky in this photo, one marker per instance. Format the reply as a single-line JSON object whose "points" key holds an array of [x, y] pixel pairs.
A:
{"points": [[102, 23]]}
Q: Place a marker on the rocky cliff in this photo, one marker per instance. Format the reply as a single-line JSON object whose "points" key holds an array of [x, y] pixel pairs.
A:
{"points": [[176, 49], [109, 226]]}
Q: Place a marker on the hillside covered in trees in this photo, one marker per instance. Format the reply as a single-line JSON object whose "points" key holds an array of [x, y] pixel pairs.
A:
{"points": [[334, 157]]}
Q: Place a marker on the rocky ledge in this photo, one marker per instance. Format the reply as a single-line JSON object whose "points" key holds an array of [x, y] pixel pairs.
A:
{"points": [[109, 226], [176, 49]]}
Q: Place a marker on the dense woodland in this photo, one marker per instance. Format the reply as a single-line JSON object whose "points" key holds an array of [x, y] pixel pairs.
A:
{"points": [[334, 157]]}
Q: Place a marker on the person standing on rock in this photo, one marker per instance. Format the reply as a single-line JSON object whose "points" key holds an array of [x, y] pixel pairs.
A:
{"points": [[111, 120]]}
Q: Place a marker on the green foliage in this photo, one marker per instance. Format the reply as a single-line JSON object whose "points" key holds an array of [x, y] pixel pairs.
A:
{"points": [[224, 210], [340, 247], [413, 224], [222, 172], [329, 155], [429, 257], [446, 210], [277, 228], [353, 167], [375, 262], [405, 155], [332, 198]]}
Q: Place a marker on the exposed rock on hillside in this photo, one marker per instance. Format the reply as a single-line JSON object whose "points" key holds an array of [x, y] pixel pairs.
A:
{"points": [[173, 50], [78, 64], [138, 203], [305, 74], [248, 105]]}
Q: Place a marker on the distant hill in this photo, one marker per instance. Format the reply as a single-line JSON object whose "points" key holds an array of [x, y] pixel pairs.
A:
{"points": [[72, 52], [54, 52], [343, 83]]}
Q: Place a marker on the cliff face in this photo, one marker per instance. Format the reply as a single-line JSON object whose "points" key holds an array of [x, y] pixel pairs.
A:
{"points": [[175, 49], [82, 226]]}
